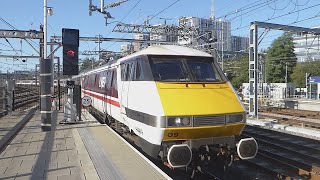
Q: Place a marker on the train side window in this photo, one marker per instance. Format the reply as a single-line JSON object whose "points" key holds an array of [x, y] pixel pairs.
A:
{"points": [[132, 70], [123, 72], [96, 81], [114, 86], [90, 81], [132, 65], [128, 71], [136, 71], [109, 81], [139, 76], [84, 82]]}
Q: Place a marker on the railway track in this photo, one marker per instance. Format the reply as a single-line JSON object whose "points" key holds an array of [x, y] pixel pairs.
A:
{"points": [[283, 155], [280, 156], [24, 98], [293, 120], [292, 112]]}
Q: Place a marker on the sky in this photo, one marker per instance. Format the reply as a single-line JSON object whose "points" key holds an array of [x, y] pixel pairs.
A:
{"points": [[28, 14]]}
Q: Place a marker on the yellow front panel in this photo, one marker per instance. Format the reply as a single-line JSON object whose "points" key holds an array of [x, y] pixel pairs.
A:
{"points": [[186, 133], [198, 99]]}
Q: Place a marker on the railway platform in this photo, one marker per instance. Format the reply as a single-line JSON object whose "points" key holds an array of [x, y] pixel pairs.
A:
{"points": [[86, 150], [301, 104]]}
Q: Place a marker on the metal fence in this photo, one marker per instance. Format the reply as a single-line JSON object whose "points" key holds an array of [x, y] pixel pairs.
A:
{"points": [[25, 96], [3, 99]]}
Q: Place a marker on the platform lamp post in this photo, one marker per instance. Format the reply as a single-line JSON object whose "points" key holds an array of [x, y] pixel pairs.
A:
{"points": [[45, 77]]}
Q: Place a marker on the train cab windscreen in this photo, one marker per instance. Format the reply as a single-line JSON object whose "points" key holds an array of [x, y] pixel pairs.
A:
{"points": [[184, 69]]}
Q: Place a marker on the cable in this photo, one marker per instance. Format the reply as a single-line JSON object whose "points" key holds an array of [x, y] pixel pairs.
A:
{"points": [[286, 15], [263, 5], [297, 4], [279, 8], [121, 22], [164, 9], [297, 13], [12, 27], [291, 12], [246, 8], [16, 49], [125, 16], [11, 45], [240, 9], [150, 18]]}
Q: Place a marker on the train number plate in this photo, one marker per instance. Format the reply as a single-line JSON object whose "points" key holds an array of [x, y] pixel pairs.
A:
{"points": [[86, 101]]}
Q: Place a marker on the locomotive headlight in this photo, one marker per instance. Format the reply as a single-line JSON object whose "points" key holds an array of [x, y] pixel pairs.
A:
{"points": [[235, 118], [179, 121]]}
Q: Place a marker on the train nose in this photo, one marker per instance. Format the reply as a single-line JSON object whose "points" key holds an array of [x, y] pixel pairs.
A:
{"points": [[179, 155], [247, 148]]}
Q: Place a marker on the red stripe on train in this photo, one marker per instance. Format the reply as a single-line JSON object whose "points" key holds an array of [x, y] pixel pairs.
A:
{"points": [[107, 100]]}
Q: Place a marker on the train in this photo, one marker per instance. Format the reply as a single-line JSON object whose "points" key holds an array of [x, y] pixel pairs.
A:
{"points": [[175, 101]]}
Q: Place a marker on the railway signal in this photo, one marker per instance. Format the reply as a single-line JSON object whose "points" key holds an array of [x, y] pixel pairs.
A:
{"points": [[70, 43]]}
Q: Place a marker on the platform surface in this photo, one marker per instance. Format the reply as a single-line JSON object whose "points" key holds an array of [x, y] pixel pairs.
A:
{"points": [[123, 161], [58, 154], [9, 121], [73, 151]]}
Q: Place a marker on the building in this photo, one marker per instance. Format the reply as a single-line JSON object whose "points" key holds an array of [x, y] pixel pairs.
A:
{"points": [[239, 44], [126, 49], [306, 47], [137, 46], [164, 33], [271, 91], [207, 29]]}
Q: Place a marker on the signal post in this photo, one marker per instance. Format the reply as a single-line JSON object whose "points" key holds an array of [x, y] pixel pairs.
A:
{"points": [[70, 43]]}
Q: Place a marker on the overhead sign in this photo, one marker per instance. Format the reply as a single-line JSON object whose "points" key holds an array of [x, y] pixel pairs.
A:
{"points": [[314, 79], [86, 101]]}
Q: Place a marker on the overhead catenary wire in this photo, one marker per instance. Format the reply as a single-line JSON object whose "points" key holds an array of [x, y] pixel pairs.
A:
{"points": [[286, 15], [249, 6], [248, 12], [121, 22], [151, 18], [126, 15], [11, 45], [12, 27], [16, 50], [263, 4], [277, 9]]}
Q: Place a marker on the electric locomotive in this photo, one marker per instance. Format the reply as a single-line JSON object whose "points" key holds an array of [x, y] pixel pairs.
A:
{"points": [[175, 100]]}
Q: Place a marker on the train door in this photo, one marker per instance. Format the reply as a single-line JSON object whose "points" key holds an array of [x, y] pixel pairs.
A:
{"points": [[125, 77], [103, 90], [114, 108], [108, 91]]}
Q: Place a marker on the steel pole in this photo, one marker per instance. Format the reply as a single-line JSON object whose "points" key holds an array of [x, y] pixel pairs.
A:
{"points": [[307, 85], [286, 73], [45, 29], [36, 74], [59, 90], [255, 56], [253, 70], [45, 80], [222, 49], [99, 47]]}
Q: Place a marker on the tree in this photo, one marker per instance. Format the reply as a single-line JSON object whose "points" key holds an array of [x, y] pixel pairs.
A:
{"points": [[279, 55], [299, 72], [88, 63], [237, 71]]}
